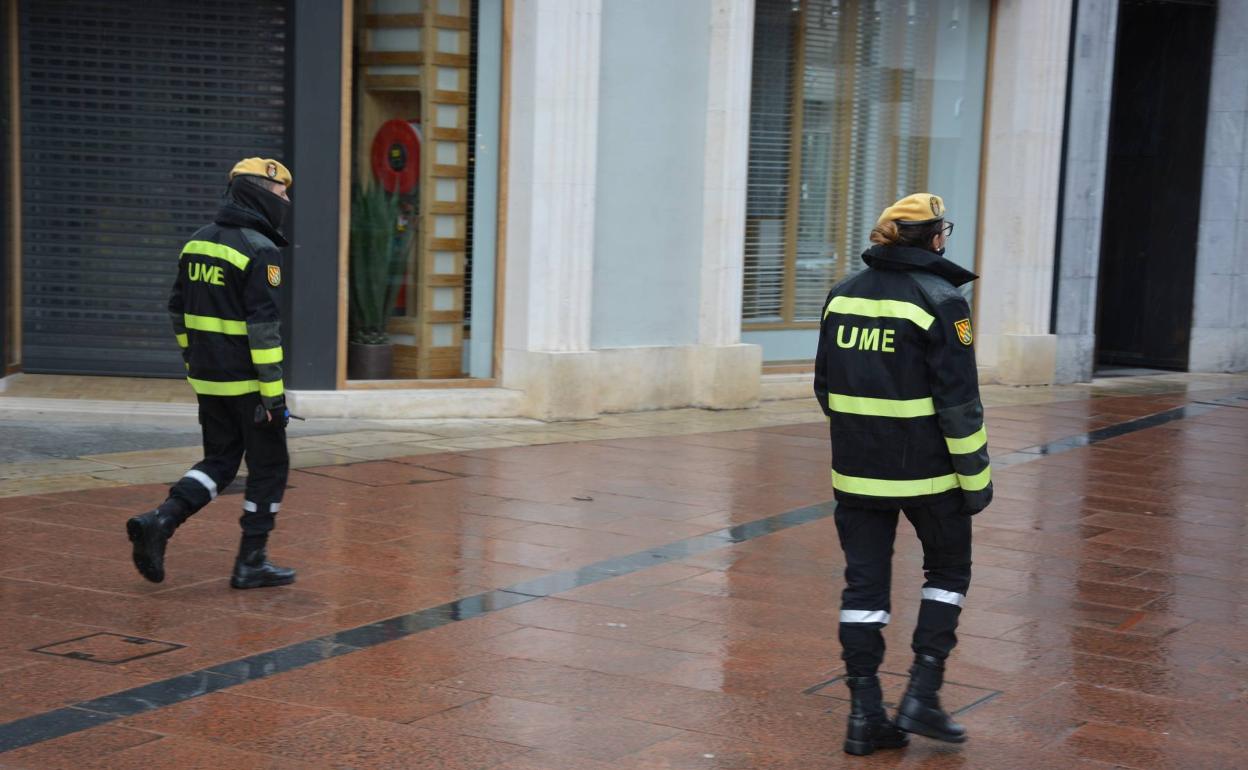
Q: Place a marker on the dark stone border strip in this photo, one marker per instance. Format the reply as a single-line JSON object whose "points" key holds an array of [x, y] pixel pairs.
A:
{"points": [[155, 695], [1102, 434]]}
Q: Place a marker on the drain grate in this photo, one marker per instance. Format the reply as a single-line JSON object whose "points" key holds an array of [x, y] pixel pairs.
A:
{"points": [[956, 698], [106, 648]]}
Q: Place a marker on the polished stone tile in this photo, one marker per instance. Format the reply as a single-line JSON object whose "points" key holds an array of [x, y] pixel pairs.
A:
{"points": [[350, 741], [76, 750], [553, 728]]}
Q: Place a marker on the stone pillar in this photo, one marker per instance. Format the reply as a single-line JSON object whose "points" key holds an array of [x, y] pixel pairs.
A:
{"points": [[1023, 160], [726, 372], [1087, 140], [553, 149], [1219, 341]]}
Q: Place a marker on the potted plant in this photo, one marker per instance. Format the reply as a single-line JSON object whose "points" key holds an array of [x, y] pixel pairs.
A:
{"points": [[378, 251]]}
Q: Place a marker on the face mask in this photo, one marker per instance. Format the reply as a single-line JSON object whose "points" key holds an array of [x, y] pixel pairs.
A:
{"points": [[271, 206]]}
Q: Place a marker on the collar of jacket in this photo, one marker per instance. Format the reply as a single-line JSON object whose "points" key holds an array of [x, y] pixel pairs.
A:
{"points": [[234, 214], [911, 258]]}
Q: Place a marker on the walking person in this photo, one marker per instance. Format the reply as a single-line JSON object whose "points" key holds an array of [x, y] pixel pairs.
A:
{"points": [[226, 314], [895, 374]]}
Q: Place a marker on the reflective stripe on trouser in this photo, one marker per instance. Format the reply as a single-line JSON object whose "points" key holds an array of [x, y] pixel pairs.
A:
{"points": [[230, 434], [258, 518]]}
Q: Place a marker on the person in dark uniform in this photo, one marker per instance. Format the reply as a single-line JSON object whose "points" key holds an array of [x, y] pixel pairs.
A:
{"points": [[895, 374], [226, 314]]}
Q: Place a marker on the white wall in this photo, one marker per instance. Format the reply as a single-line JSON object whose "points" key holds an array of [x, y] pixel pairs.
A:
{"points": [[651, 142], [1026, 114]]}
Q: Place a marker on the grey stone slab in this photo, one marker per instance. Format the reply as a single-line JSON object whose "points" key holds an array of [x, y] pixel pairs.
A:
{"points": [[1215, 248], [1076, 357], [1220, 194], [1212, 302], [1224, 138], [1228, 89]]}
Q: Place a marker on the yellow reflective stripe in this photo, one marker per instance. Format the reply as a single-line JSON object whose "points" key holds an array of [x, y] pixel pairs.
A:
{"points": [[182, 340], [857, 485], [881, 308], [976, 482], [211, 388], [968, 444], [266, 356], [270, 389], [220, 251], [881, 407], [203, 323]]}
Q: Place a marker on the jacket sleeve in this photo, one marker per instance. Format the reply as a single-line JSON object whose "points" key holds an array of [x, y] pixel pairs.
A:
{"points": [[177, 318], [954, 382], [262, 303], [821, 363]]}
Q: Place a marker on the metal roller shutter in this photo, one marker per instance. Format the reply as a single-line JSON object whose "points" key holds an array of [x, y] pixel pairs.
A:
{"points": [[132, 115]]}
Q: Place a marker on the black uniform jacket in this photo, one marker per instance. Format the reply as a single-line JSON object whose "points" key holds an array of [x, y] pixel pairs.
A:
{"points": [[895, 374], [225, 306]]}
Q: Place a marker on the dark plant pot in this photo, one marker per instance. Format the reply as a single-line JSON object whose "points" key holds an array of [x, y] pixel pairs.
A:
{"points": [[369, 362]]}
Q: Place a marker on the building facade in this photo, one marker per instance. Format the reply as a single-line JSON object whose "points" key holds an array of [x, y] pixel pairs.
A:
{"points": [[561, 208]]}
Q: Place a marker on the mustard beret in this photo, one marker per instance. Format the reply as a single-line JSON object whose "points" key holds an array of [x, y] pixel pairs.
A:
{"points": [[265, 167], [917, 209]]}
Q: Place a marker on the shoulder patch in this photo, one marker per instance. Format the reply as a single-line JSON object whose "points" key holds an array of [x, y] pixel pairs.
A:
{"points": [[963, 328], [274, 274]]}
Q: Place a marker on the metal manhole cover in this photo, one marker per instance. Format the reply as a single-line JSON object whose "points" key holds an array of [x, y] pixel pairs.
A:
{"points": [[106, 648]]}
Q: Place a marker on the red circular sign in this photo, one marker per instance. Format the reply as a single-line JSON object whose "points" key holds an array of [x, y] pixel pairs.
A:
{"points": [[396, 156]]}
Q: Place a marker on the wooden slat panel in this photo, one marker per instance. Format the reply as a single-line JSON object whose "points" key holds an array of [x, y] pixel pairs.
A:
{"points": [[442, 280], [446, 244], [392, 82], [393, 58], [444, 317], [450, 97], [447, 207], [451, 60], [451, 22], [394, 20], [450, 172], [449, 134]]}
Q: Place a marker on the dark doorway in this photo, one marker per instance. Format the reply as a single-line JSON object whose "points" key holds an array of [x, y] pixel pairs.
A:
{"points": [[1153, 182]]}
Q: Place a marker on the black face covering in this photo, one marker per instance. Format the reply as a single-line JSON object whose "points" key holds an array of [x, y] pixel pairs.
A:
{"points": [[254, 196]]}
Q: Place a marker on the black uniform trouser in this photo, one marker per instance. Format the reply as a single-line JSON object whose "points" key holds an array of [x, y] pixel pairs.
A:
{"points": [[230, 434], [867, 540]]}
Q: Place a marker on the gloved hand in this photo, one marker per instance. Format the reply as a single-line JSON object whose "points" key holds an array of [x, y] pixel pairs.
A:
{"points": [[277, 416], [974, 502]]}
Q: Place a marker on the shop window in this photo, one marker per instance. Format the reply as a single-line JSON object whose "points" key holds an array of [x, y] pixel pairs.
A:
{"points": [[854, 104], [413, 259]]}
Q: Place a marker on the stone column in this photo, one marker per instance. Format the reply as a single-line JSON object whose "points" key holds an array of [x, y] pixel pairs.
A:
{"points": [[552, 147], [727, 373], [1026, 111], [1092, 87], [1219, 341]]}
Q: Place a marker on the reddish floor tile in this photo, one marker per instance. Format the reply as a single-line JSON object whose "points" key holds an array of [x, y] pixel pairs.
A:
{"points": [[553, 728], [76, 750], [349, 741], [224, 717]]}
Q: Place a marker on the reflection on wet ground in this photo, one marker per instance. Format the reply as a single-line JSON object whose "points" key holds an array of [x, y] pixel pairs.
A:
{"points": [[645, 602]]}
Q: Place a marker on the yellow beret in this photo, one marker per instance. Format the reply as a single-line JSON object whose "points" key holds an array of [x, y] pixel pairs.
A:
{"points": [[916, 209], [265, 167]]}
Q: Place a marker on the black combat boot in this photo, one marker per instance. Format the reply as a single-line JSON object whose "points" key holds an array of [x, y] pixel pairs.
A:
{"points": [[150, 533], [253, 570], [920, 712], [869, 727]]}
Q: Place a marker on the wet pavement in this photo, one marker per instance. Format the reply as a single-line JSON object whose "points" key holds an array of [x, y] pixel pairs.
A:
{"points": [[643, 602]]}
